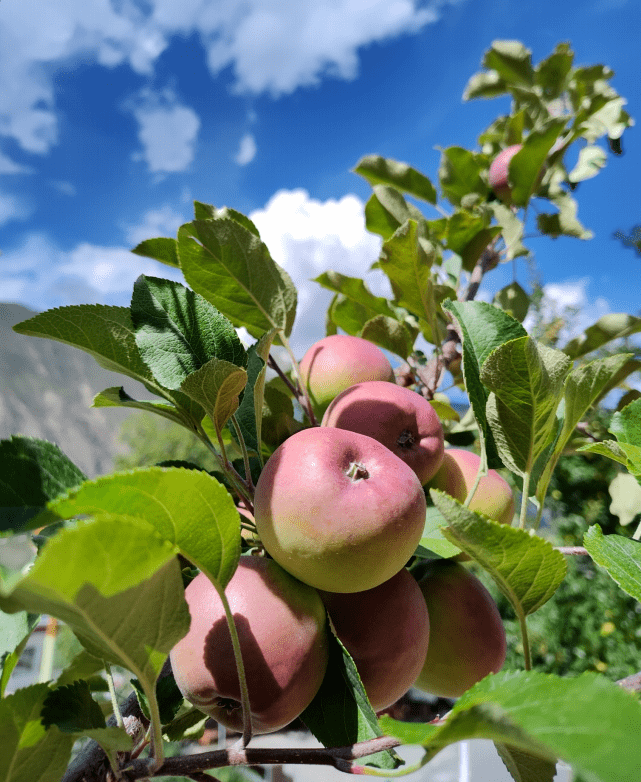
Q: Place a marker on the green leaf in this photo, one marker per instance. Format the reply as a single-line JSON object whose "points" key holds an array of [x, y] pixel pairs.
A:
{"points": [[552, 73], [32, 472], [116, 396], [545, 715], [526, 568], [583, 387], [73, 711], [15, 630], [216, 386], [355, 289], [512, 229], [626, 427], [407, 258], [514, 300], [229, 266], [526, 166], [249, 413], [525, 766], [161, 249], [188, 510], [512, 61], [177, 331], [615, 325], [460, 173], [30, 751], [433, 539], [386, 210], [390, 334], [564, 222], [209, 212], [620, 556], [527, 381], [468, 235], [83, 666], [591, 160], [483, 327], [170, 699], [485, 85], [340, 714], [378, 170], [625, 492], [117, 585], [107, 334]]}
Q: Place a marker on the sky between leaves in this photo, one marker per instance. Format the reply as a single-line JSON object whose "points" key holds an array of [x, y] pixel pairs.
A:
{"points": [[116, 114]]}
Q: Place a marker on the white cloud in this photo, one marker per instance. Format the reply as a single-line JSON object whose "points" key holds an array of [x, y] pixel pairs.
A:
{"points": [[163, 221], [167, 131], [569, 300], [308, 237], [271, 46], [8, 166], [40, 275], [246, 150], [12, 208]]}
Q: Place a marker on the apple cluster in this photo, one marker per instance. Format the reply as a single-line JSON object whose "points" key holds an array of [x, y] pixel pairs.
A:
{"points": [[339, 510]]}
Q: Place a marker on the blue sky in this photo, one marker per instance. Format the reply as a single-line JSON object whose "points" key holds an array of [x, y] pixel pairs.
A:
{"points": [[115, 116]]}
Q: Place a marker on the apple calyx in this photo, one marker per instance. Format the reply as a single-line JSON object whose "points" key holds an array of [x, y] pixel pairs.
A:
{"points": [[405, 439], [357, 472]]}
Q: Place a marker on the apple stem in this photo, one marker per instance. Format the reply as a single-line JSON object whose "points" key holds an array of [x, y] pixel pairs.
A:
{"points": [[306, 402]]}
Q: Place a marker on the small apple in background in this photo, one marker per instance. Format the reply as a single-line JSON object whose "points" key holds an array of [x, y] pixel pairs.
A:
{"points": [[282, 629], [456, 475], [338, 510], [336, 362], [498, 173], [467, 637], [386, 630], [399, 418]]}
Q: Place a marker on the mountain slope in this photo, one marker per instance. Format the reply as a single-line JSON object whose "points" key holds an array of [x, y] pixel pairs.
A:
{"points": [[46, 390]]}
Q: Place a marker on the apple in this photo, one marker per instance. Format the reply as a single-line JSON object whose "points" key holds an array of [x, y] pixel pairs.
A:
{"points": [[282, 628], [386, 630], [338, 510], [467, 637], [456, 475], [336, 362], [499, 170], [399, 418]]}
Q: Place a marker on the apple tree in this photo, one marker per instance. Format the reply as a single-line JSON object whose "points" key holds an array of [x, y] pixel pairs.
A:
{"points": [[315, 571]]}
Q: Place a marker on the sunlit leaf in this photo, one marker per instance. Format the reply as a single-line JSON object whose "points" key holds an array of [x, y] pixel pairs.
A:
{"points": [[378, 170], [620, 556]]}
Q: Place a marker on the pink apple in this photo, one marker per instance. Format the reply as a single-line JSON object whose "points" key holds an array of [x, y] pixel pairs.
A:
{"points": [[282, 630], [336, 362], [493, 496], [386, 630], [399, 418], [338, 510], [467, 637], [499, 170]]}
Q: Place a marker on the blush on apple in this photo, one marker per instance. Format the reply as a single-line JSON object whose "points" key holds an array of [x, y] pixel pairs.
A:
{"points": [[282, 630], [338, 510]]}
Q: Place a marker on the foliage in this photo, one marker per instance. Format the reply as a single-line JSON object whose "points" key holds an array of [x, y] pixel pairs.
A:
{"points": [[115, 551]]}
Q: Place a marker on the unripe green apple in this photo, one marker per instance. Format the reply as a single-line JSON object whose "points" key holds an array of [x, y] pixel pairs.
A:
{"points": [[399, 418], [467, 637], [386, 630], [338, 510], [282, 630], [456, 475], [336, 362]]}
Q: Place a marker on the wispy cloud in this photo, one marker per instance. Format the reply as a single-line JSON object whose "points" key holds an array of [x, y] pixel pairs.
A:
{"points": [[246, 150]]}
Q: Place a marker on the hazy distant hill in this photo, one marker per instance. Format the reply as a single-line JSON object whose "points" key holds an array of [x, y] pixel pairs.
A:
{"points": [[46, 389]]}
